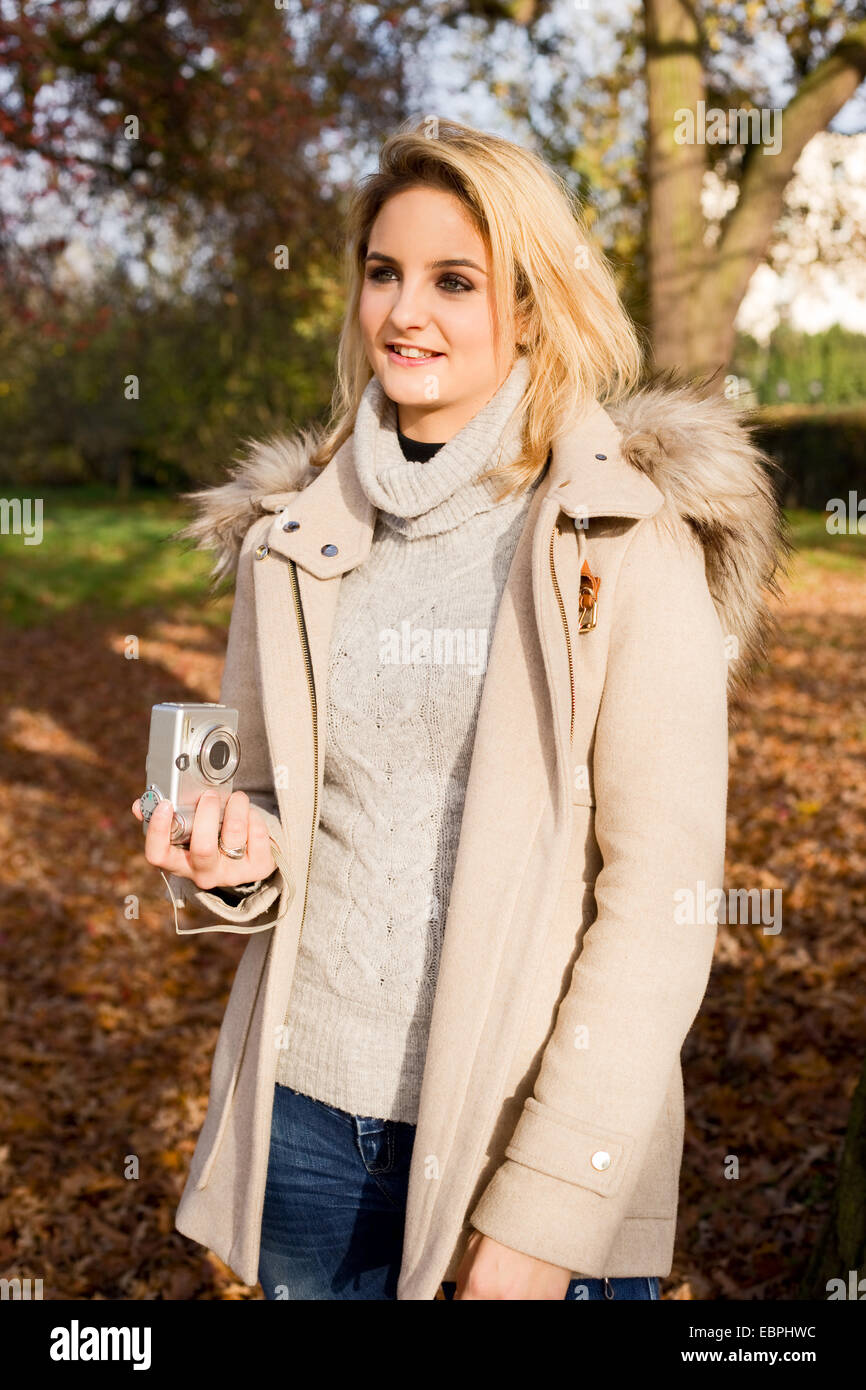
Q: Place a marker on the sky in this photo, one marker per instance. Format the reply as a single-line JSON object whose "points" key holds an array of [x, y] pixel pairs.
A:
{"points": [[443, 82]]}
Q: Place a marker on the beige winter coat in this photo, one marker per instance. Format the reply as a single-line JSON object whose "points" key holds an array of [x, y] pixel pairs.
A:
{"points": [[551, 1109]]}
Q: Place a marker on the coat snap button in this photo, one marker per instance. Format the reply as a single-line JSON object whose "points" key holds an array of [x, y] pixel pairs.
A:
{"points": [[601, 456], [329, 550], [600, 1160], [262, 551], [291, 525]]}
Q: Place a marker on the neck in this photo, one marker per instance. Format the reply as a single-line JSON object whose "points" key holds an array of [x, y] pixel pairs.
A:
{"points": [[428, 498]]}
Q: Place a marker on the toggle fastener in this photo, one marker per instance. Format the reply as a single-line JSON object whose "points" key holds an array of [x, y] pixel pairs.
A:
{"points": [[588, 599]]}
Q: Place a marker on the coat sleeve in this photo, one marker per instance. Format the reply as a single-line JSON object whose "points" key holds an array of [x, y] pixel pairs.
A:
{"points": [[660, 776], [261, 905]]}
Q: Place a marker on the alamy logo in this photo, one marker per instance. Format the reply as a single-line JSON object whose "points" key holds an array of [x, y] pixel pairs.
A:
{"points": [[855, 1288], [438, 646], [742, 126], [744, 905], [21, 1288], [76, 1343], [22, 518]]}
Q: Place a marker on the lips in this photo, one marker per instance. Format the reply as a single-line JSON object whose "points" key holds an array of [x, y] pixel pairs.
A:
{"points": [[396, 356]]}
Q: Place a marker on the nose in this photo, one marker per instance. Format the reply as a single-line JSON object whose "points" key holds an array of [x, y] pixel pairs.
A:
{"points": [[410, 309]]}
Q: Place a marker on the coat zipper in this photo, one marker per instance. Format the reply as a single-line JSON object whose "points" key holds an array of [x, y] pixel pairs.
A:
{"points": [[565, 628], [302, 629]]}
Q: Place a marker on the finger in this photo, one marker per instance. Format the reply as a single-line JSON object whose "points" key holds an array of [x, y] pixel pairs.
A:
{"points": [[260, 858], [158, 847], [235, 827], [136, 809], [204, 853], [242, 818]]}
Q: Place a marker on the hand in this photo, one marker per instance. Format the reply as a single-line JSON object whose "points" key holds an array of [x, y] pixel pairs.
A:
{"points": [[489, 1270], [202, 861]]}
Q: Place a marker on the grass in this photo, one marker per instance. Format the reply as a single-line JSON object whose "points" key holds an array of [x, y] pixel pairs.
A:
{"points": [[824, 548], [104, 555], [110, 556]]}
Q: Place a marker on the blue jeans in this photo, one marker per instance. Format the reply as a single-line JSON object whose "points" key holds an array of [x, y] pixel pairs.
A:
{"points": [[335, 1206]]}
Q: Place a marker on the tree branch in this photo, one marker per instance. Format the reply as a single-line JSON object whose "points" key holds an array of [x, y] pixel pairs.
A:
{"points": [[747, 229]]}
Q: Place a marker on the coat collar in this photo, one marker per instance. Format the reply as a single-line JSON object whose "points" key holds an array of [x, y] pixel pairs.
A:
{"points": [[676, 451], [332, 520]]}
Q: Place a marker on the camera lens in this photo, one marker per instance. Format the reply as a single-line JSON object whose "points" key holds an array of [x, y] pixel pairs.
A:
{"points": [[219, 755]]}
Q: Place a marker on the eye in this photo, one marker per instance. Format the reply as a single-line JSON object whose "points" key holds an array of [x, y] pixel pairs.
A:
{"points": [[378, 271], [451, 283], [459, 285]]}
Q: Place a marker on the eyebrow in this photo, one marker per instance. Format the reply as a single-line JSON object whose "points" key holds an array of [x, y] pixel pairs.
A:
{"points": [[431, 265]]}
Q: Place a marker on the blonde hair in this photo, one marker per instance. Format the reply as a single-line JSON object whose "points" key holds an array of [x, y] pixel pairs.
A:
{"points": [[545, 273]]}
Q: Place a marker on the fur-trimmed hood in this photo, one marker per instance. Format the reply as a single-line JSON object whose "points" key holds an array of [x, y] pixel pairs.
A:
{"points": [[694, 446]]}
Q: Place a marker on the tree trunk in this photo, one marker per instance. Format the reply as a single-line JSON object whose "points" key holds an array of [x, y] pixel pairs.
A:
{"points": [[695, 290], [842, 1248], [675, 222]]}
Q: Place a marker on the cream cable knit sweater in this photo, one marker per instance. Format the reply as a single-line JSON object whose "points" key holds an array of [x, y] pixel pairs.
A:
{"points": [[406, 667]]}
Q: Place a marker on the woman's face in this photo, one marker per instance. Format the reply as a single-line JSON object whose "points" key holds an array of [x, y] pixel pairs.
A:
{"points": [[410, 297]]}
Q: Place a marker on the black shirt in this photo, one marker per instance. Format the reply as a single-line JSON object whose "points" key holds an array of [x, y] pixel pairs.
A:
{"points": [[415, 449]]}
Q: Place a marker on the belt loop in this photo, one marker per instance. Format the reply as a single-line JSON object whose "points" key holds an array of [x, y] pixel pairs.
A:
{"points": [[580, 531]]}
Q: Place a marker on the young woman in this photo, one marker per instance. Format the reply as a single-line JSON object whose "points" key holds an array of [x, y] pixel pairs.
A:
{"points": [[482, 639]]}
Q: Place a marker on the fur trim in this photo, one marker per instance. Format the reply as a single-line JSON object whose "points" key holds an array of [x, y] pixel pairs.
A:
{"points": [[697, 449], [695, 446], [225, 512]]}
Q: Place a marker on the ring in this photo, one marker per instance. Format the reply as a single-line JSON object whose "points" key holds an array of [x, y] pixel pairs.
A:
{"points": [[231, 853]]}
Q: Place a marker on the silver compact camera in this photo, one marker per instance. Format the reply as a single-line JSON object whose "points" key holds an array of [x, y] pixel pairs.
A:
{"points": [[193, 748]]}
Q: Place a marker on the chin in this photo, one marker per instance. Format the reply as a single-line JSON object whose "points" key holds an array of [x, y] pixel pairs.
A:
{"points": [[409, 386]]}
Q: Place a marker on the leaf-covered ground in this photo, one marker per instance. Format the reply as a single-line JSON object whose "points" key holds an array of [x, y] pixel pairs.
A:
{"points": [[773, 1060], [109, 1020]]}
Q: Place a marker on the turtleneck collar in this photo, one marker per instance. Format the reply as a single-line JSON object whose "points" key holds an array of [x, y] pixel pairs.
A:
{"points": [[424, 499]]}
